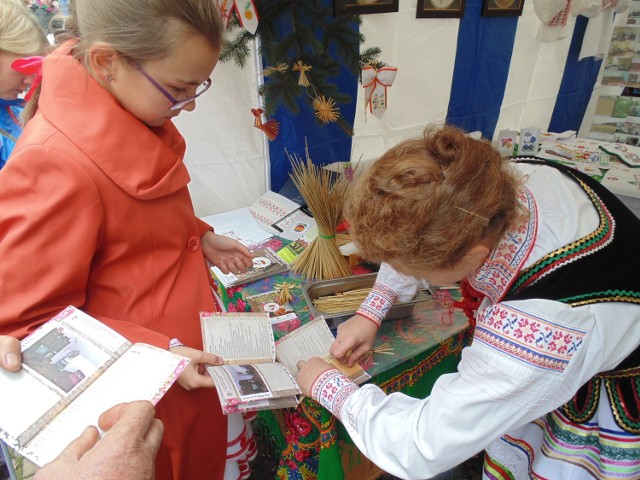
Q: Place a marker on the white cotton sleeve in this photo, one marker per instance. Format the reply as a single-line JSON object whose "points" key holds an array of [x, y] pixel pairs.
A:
{"points": [[502, 383], [390, 286]]}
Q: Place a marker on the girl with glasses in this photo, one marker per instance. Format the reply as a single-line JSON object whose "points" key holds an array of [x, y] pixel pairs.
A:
{"points": [[95, 210]]}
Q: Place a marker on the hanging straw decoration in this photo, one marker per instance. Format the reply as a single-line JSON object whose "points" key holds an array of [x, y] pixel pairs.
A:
{"points": [[325, 109], [324, 194], [302, 68], [280, 68], [271, 128], [284, 293]]}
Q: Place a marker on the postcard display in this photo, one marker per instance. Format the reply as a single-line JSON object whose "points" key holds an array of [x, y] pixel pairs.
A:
{"points": [[617, 114]]}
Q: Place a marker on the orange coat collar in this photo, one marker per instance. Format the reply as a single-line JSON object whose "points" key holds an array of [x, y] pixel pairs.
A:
{"points": [[145, 162]]}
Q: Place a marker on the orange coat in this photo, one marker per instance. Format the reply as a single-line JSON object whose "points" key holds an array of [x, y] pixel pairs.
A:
{"points": [[95, 213]]}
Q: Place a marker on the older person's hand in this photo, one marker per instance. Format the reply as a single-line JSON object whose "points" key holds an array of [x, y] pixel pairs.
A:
{"points": [[127, 450], [10, 354]]}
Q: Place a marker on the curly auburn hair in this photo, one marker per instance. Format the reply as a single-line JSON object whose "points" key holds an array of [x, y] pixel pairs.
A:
{"points": [[427, 201]]}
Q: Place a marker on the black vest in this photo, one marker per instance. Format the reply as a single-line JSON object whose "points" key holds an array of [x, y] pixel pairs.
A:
{"points": [[596, 268]]}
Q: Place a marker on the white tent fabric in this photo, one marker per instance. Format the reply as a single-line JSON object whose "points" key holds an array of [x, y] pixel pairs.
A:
{"points": [[228, 158], [225, 153]]}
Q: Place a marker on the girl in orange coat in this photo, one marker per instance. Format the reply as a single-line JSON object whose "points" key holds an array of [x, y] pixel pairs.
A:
{"points": [[95, 211]]}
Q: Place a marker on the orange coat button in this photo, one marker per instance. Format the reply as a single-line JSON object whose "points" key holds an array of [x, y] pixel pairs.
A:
{"points": [[193, 244]]}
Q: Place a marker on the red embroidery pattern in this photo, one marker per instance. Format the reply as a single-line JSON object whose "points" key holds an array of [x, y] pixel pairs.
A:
{"points": [[533, 340], [498, 272], [332, 389], [378, 303]]}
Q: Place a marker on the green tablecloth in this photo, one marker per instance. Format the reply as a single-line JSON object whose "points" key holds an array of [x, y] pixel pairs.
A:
{"points": [[308, 440]]}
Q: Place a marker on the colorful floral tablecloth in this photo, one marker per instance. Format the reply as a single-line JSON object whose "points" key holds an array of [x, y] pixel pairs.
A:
{"points": [[310, 443]]}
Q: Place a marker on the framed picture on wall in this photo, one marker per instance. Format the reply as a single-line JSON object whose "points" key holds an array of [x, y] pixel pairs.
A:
{"points": [[440, 9], [502, 8], [359, 7]]}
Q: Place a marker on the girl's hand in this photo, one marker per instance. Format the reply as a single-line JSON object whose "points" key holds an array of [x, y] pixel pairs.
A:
{"points": [[355, 338], [310, 370], [227, 254], [195, 375]]}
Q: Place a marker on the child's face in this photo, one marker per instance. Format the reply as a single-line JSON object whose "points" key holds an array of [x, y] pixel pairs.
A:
{"points": [[180, 74], [12, 83]]}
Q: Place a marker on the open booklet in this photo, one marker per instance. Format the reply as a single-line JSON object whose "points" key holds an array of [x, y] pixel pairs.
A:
{"points": [[265, 264], [75, 368], [258, 374]]}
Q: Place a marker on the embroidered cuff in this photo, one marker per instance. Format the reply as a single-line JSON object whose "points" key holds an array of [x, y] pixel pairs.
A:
{"points": [[174, 342], [378, 303], [331, 389]]}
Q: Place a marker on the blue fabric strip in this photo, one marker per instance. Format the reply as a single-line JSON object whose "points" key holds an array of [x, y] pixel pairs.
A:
{"points": [[483, 56], [577, 84]]}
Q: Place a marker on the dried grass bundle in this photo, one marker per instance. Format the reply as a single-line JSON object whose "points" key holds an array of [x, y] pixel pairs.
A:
{"points": [[341, 302], [324, 195]]}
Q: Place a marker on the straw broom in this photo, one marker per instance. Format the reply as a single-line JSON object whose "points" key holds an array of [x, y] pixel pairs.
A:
{"points": [[324, 196]]}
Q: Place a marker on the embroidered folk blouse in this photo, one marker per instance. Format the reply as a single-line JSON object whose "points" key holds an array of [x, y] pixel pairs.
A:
{"points": [[527, 358]]}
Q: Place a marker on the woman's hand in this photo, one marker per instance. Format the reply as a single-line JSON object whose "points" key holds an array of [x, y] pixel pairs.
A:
{"points": [[355, 338], [310, 370], [195, 375], [227, 254]]}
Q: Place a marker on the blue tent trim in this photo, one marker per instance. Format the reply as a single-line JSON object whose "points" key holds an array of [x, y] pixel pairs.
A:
{"points": [[483, 56], [577, 84]]}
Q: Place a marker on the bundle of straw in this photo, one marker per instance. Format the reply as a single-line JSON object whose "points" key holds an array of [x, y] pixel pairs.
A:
{"points": [[324, 195]]}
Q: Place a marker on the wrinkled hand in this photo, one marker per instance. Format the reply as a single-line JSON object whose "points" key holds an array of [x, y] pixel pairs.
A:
{"points": [[127, 450], [310, 370], [195, 375], [10, 354], [226, 253], [354, 339]]}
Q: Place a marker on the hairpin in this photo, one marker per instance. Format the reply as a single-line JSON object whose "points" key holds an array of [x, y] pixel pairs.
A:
{"points": [[474, 214]]}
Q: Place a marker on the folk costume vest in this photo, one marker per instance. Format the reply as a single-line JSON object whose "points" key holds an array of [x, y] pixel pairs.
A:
{"points": [[594, 269]]}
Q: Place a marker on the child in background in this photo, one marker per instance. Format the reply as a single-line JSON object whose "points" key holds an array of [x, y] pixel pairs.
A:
{"points": [[20, 36], [546, 255], [95, 210]]}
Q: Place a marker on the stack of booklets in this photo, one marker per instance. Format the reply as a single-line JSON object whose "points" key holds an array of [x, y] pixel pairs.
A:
{"points": [[259, 374], [265, 264]]}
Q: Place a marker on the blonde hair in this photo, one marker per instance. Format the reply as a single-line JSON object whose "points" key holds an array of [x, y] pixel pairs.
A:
{"points": [[20, 33], [138, 30], [427, 201]]}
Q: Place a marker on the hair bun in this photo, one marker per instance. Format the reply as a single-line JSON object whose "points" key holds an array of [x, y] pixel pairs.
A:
{"points": [[445, 144]]}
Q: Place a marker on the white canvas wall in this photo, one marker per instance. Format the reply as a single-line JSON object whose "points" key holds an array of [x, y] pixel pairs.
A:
{"points": [[226, 154]]}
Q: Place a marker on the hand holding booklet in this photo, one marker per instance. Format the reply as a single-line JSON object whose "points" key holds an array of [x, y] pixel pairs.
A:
{"points": [[75, 368], [258, 374]]}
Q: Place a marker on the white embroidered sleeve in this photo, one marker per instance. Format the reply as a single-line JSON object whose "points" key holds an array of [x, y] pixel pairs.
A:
{"points": [[331, 389], [520, 366], [390, 286]]}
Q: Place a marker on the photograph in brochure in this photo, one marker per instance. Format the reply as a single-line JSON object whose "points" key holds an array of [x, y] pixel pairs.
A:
{"points": [[75, 368], [281, 314], [265, 264], [258, 374]]}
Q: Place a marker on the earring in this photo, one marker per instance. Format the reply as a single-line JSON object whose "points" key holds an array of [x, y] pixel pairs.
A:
{"points": [[108, 78]]}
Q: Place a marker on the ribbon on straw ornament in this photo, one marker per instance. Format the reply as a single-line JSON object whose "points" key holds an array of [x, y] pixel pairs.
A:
{"points": [[247, 13], [375, 83], [30, 66], [271, 128], [303, 69]]}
